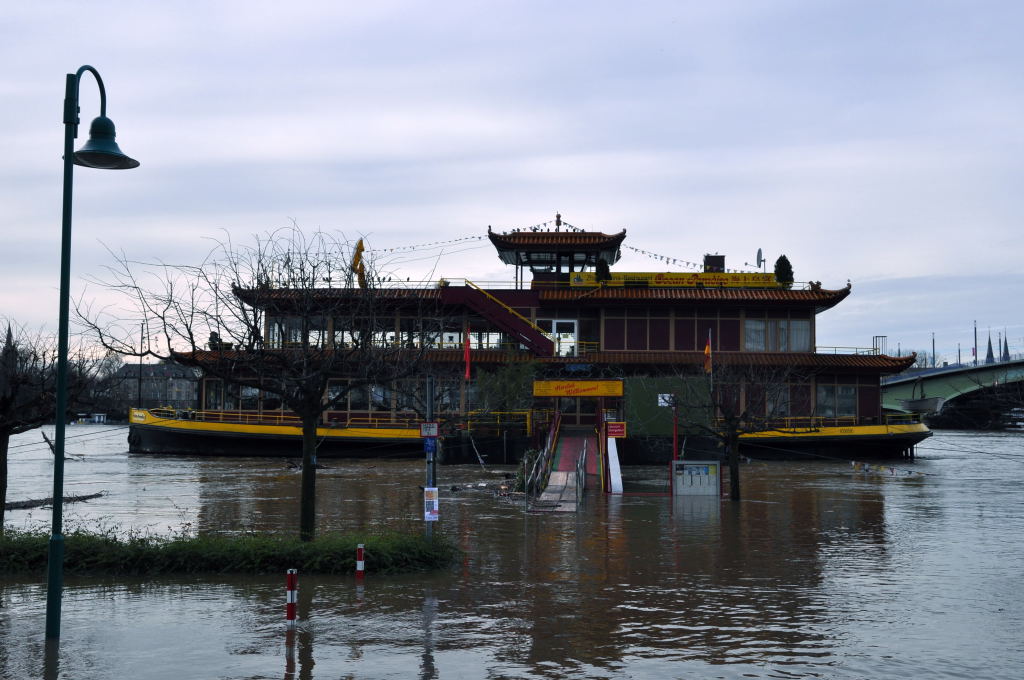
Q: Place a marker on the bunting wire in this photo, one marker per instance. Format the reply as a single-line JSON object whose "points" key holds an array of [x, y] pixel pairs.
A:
{"points": [[681, 262]]}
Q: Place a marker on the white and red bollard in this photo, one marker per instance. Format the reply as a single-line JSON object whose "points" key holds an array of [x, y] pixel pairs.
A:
{"points": [[291, 581], [360, 562]]}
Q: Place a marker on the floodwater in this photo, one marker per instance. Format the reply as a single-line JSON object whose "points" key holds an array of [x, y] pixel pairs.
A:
{"points": [[822, 571]]}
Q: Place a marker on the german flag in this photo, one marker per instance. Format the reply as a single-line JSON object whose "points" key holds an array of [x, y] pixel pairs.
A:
{"points": [[707, 354]]}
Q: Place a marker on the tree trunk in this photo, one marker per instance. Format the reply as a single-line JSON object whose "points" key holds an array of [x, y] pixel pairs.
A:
{"points": [[307, 499], [5, 438], [733, 453]]}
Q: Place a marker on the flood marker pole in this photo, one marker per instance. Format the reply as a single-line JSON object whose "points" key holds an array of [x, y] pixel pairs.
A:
{"points": [[360, 562], [292, 586]]}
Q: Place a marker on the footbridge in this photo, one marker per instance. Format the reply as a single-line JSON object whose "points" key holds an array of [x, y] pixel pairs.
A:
{"points": [[574, 459], [927, 390]]}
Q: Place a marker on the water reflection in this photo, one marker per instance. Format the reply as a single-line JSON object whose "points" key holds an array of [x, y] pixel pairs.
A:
{"points": [[819, 571]]}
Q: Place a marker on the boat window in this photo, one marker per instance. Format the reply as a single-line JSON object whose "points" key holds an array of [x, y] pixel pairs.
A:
{"points": [[826, 403], [380, 397], [777, 400], [846, 401], [213, 393], [248, 398], [358, 399]]}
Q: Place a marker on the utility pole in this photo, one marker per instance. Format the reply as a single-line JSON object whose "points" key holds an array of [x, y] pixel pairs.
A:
{"points": [[142, 331], [934, 359], [975, 342]]}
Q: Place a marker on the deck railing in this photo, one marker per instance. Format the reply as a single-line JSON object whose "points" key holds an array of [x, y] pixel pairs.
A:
{"points": [[847, 350], [807, 423], [500, 419], [277, 419]]}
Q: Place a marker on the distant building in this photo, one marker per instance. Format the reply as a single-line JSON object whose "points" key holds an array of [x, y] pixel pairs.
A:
{"points": [[166, 384]]}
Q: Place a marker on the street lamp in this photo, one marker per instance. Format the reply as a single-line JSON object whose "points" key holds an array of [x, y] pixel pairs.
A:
{"points": [[99, 152]]}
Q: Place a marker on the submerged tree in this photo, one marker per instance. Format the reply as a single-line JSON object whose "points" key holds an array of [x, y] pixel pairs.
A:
{"points": [[733, 399], [307, 319]]}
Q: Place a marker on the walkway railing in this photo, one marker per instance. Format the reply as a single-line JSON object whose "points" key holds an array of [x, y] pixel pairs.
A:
{"points": [[537, 479], [581, 473]]}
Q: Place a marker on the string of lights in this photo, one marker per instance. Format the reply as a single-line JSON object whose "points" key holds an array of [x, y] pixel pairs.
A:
{"points": [[556, 225], [679, 262]]}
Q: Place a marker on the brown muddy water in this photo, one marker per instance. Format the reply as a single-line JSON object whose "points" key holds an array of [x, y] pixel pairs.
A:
{"points": [[822, 571]]}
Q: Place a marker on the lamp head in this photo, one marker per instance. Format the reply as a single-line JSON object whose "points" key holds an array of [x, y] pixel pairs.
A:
{"points": [[101, 150]]}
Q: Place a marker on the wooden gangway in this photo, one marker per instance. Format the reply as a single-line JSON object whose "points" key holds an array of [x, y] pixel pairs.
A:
{"points": [[575, 463]]}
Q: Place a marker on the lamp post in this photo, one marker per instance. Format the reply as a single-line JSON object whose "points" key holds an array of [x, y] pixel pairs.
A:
{"points": [[99, 152]]}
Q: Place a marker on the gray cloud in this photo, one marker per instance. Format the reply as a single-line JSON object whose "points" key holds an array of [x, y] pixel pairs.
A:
{"points": [[872, 140]]}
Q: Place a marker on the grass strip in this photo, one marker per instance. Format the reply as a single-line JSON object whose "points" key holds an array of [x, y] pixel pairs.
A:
{"points": [[108, 553]]}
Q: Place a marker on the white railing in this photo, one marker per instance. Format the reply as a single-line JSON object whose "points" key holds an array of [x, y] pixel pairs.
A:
{"points": [[847, 350]]}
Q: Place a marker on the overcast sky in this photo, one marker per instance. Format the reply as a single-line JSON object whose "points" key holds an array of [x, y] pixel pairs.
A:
{"points": [[876, 142]]}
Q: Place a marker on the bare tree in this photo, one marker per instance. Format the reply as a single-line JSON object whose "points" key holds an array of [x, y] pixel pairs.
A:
{"points": [[305, 318], [735, 399], [28, 384]]}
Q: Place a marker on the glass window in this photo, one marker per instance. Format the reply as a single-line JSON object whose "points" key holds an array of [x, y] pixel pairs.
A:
{"points": [[780, 332], [380, 397], [799, 335], [753, 335], [248, 398], [778, 401], [846, 401], [358, 399], [214, 393], [826, 401]]}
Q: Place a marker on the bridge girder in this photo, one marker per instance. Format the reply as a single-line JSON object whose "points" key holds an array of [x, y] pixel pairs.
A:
{"points": [[950, 383]]}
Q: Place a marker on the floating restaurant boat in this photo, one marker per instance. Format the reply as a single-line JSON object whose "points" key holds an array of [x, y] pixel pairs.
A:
{"points": [[654, 358]]}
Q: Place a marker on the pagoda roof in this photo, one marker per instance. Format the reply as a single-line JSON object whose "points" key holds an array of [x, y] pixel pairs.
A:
{"points": [[288, 299], [820, 298], [511, 244], [798, 361]]}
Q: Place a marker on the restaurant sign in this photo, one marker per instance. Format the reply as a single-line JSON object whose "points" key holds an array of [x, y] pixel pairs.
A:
{"points": [[577, 388]]}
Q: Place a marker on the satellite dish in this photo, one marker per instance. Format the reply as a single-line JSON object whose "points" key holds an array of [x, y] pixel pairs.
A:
{"points": [[760, 258]]}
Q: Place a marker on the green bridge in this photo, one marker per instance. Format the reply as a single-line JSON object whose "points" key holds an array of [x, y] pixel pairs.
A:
{"points": [[906, 391]]}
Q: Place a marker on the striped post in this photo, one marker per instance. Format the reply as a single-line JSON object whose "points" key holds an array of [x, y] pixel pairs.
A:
{"points": [[292, 586], [360, 562]]}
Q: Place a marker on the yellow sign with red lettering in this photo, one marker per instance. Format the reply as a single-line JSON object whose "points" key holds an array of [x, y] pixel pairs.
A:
{"points": [[577, 388]]}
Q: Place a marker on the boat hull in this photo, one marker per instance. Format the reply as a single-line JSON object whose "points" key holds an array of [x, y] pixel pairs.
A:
{"points": [[858, 441], [182, 436]]}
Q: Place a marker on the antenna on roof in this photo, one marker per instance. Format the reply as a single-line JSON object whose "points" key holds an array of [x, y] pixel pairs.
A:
{"points": [[760, 260]]}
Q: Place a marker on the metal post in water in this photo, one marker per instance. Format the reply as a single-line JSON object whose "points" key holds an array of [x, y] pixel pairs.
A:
{"points": [[360, 562], [291, 582], [430, 482]]}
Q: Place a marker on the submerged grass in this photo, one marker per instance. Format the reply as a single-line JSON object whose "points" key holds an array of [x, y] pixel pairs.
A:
{"points": [[109, 553]]}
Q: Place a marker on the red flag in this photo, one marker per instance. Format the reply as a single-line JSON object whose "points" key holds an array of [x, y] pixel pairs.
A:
{"points": [[707, 354], [465, 350]]}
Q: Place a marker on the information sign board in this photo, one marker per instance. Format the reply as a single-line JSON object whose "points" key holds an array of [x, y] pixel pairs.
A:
{"points": [[429, 430], [430, 504], [616, 429]]}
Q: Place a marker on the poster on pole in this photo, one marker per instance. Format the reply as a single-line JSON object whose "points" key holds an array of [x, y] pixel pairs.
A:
{"points": [[430, 504]]}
